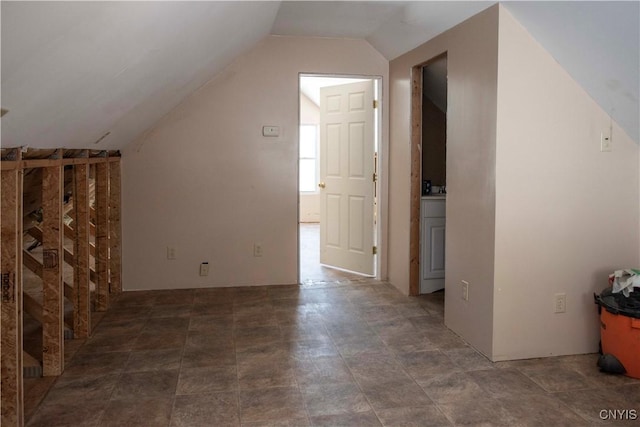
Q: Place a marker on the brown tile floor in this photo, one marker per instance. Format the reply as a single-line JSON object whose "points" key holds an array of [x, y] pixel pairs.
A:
{"points": [[339, 350], [346, 353]]}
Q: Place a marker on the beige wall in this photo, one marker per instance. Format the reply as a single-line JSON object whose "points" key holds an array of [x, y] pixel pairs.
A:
{"points": [[566, 213], [309, 202], [205, 181], [472, 72], [533, 207]]}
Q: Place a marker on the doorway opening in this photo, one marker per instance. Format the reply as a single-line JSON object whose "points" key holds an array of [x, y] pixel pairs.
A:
{"points": [[428, 176], [339, 122]]}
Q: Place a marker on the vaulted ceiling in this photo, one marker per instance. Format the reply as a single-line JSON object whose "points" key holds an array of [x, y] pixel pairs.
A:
{"points": [[73, 72]]}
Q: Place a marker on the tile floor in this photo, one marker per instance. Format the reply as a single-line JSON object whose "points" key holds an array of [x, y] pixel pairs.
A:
{"points": [[339, 350], [310, 268], [326, 353]]}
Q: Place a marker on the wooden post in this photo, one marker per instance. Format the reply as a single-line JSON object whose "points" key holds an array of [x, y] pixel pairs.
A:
{"points": [[52, 285], [70, 233], [115, 251], [416, 180], [81, 286], [102, 235], [11, 390]]}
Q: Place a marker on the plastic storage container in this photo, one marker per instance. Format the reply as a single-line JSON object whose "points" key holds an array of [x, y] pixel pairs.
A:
{"points": [[620, 328]]}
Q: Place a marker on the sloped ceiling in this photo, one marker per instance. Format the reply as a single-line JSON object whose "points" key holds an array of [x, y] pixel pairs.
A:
{"points": [[73, 72], [598, 44]]}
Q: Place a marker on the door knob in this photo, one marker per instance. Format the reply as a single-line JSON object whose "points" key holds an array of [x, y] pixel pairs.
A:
{"points": [[322, 185]]}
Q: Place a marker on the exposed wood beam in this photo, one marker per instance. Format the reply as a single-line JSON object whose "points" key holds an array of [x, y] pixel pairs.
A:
{"points": [[92, 218], [29, 360], [32, 307], [70, 233], [35, 310], [11, 388], [115, 252], [33, 264], [82, 249], [415, 191], [102, 235], [36, 233], [52, 284], [44, 163]]}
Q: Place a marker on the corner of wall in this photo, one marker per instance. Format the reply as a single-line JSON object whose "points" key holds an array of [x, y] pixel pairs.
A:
{"points": [[567, 214], [472, 72]]}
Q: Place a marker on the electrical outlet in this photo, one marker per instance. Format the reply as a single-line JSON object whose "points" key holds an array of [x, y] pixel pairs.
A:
{"points": [[465, 290], [560, 303], [270, 131], [257, 249], [204, 269], [171, 252]]}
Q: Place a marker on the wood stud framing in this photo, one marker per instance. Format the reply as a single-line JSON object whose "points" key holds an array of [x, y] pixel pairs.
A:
{"points": [[115, 251], [52, 233], [102, 236], [12, 403], [52, 291], [416, 172], [81, 286]]}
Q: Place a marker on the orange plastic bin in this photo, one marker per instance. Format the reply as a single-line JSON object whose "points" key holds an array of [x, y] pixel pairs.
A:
{"points": [[620, 328]]}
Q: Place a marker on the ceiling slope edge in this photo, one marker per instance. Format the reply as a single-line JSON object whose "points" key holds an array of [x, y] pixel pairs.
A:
{"points": [[72, 73], [606, 64]]}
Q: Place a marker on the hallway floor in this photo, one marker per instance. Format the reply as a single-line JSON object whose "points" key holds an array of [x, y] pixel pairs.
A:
{"points": [[310, 268], [348, 353]]}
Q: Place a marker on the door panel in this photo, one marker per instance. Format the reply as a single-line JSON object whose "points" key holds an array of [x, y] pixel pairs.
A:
{"points": [[332, 152], [437, 248], [356, 150], [332, 220], [357, 232], [432, 261], [346, 169]]}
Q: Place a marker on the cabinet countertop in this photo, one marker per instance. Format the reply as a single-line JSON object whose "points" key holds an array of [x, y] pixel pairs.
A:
{"points": [[434, 197]]}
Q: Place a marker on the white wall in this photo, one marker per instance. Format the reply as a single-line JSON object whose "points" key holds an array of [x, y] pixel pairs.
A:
{"points": [[206, 182], [566, 213], [472, 72], [309, 202]]}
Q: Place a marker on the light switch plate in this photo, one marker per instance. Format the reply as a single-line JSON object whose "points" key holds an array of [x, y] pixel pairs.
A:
{"points": [[605, 141]]}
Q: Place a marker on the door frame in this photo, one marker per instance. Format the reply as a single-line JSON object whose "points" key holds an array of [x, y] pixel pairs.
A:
{"points": [[416, 174], [380, 170]]}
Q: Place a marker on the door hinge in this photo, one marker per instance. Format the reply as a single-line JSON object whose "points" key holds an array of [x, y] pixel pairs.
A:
{"points": [[375, 177], [375, 250], [375, 103]]}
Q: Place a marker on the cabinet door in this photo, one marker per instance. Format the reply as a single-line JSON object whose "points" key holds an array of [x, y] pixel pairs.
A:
{"points": [[433, 232]]}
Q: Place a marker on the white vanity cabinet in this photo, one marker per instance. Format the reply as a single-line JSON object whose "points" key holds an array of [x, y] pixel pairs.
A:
{"points": [[432, 229]]}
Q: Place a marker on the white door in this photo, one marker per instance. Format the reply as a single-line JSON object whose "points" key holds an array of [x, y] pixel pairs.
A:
{"points": [[346, 177]]}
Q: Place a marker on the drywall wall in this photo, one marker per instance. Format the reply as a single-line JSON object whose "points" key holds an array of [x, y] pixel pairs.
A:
{"points": [[309, 202], [566, 213], [206, 182], [472, 50]]}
